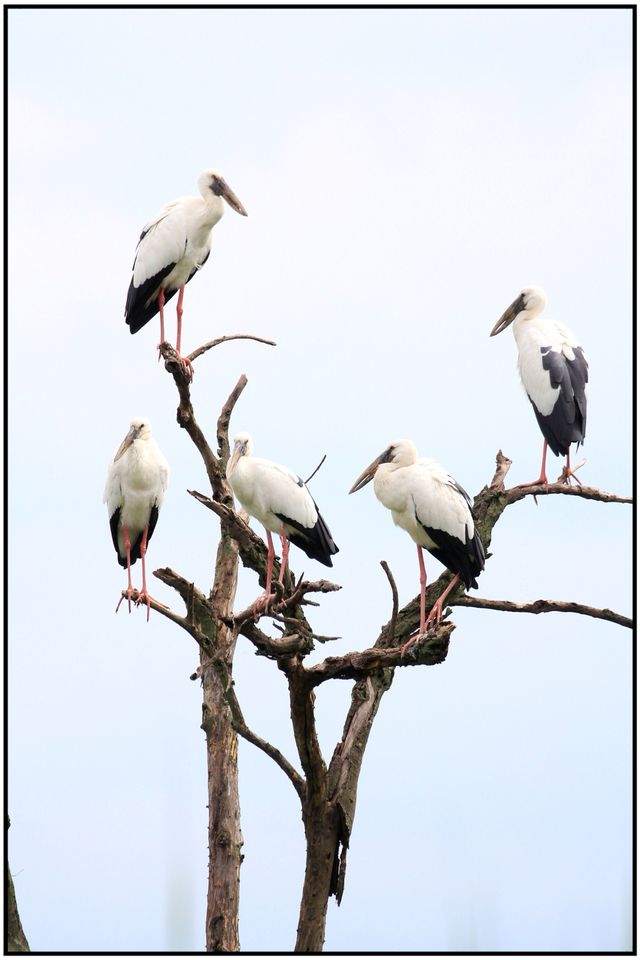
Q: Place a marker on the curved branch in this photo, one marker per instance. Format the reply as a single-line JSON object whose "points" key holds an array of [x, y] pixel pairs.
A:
{"points": [[232, 336], [394, 595], [186, 418], [240, 726], [542, 606]]}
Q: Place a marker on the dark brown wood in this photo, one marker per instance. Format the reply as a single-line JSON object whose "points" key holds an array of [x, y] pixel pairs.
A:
{"points": [[322, 833]]}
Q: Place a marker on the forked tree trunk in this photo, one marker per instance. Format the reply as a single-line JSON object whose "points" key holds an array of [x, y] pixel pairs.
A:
{"points": [[321, 829]]}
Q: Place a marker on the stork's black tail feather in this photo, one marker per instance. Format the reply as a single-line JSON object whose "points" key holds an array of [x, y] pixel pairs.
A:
{"points": [[315, 541]]}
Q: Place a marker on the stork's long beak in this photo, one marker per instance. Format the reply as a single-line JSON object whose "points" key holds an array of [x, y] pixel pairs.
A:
{"points": [[508, 316], [231, 198], [367, 475], [126, 443], [239, 449]]}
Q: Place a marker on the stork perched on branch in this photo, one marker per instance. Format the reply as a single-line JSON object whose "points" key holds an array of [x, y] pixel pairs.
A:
{"points": [[281, 502], [172, 247], [554, 372], [436, 513], [136, 485]]}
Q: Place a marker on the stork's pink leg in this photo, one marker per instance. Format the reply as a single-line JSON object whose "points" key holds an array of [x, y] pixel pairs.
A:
{"points": [[435, 615], [266, 598], [129, 592], [183, 360], [423, 588], [144, 595], [285, 555], [568, 473], [543, 470], [161, 312]]}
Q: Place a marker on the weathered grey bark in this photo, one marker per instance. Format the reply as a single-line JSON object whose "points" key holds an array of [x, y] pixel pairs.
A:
{"points": [[225, 837], [207, 621]]}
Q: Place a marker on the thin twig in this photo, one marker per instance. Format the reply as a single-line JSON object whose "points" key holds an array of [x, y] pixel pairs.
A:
{"points": [[542, 606], [233, 336], [311, 476], [394, 595]]}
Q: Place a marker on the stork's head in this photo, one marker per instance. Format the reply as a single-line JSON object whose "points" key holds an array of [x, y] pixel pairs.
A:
{"points": [[242, 447], [399, 453], [527, 305], [140, 429], [212, 181]]}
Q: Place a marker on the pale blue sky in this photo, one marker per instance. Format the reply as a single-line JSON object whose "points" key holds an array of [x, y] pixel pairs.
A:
{"points": [[405, 174]]}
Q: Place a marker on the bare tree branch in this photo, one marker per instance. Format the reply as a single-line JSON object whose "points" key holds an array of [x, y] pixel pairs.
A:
{"points": [[240, 726], [225, 417], [252, 549], [232, 336], [394, 595], [301, 698], [186, 417], [502, 468], [354, 666], [542, 606], [186, 623], [547, 489]]}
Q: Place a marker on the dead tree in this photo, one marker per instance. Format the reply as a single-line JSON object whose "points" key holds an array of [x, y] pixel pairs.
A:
{"points": [[326, 790]]}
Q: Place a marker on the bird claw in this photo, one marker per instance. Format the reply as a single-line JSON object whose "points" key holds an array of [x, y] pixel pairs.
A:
{"points": [[171, 355], [410, 642], [138, 597], [187, 367], [264, 601], [128, 595], [570, 472], [431, 625], [418, 636]]}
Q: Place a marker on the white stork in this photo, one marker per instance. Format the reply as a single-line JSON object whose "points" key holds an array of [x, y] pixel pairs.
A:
{"points": [[136, 485], [436, 513], [281, 502], [554, 372], [172, 247]]}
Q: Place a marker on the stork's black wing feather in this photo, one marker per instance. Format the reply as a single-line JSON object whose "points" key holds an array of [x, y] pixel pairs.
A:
{"points": [[315, 541], [465, 558], [114, 521], [137, 310], [566, 424]]}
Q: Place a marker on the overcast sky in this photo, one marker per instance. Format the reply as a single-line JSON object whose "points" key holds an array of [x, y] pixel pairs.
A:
{"points": [[405, 174]]}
